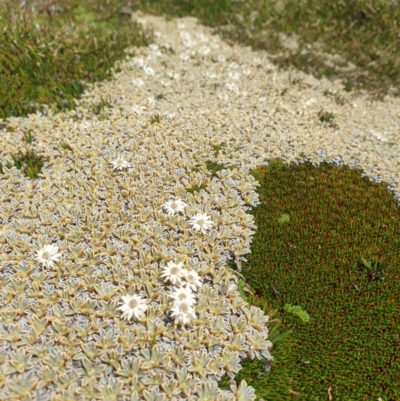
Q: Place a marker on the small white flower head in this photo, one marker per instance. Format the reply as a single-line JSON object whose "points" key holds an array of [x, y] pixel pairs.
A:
{"points": [[173, 272], [151, 101], [133, 305], [119, 163], [184, 57], [169, 116], [192, 280], [183, 313], [174, 206], [201, 222], [138, 82], [148, 70], [182, 294], [47, 255], [232, 87]]}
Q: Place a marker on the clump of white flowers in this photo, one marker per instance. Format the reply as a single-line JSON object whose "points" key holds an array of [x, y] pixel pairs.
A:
{"points": [[199, 222], [184, 281], [183, 297]]}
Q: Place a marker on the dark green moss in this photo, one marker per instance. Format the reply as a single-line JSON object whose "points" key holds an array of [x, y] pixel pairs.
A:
{"points": [[337, 257]]}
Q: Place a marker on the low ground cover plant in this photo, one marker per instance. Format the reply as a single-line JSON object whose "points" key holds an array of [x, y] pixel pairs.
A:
{"points": [[48, 54], [355, 41], [328, 277], [338, 261]]}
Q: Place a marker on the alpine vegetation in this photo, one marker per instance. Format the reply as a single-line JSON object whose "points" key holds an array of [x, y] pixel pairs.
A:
{"points": [[114, 281], [111, 274]]}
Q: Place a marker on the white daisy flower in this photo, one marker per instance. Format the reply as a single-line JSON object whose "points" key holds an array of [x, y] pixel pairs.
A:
{"points": [[183, 294], [47, 255], [232, 87], [201, 222], [192, 280], [210, 75], [139, 61], [138, 82], [184, 57], [173, 75], [138, 109], [149, 71], [151, 101], [234, 75], [119, 163], [173, 207], [204, 50], [169, 116], [173, 272], [133, 305], [183, 313], [154, 48]]}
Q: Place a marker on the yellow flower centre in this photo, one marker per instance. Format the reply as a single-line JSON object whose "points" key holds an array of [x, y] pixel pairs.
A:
{"points": [[46, 256], [133, 303], [174, 205], [175, 271], [183, 308], [200, 222]]}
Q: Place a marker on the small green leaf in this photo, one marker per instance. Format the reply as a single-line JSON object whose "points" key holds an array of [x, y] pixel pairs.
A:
{"points": [[284, 218], [276, 340]]}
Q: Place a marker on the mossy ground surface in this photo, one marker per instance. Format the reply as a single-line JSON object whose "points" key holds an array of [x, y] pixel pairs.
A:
{"points": [[327, 239], [335, 254]]}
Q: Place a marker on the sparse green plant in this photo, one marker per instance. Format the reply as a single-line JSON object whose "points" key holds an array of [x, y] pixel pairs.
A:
{"points": [[64, 145], [98, 108], [213, 166], [194, 188], [295, 81], [155, 118], [297, 311], [285, 218], [59, 53], [28, 162], [326, 116], [338, 98], [374, 269], [29, 138]]}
